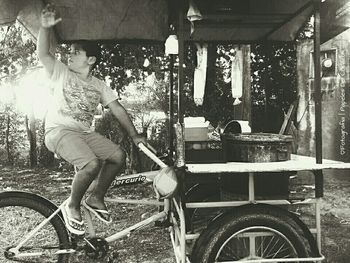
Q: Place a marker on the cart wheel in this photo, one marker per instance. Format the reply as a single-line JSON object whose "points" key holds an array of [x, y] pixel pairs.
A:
{"points": [[248, 234], [198, 218]]}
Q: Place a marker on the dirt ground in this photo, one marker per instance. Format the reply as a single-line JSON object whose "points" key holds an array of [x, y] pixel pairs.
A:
{"points": [[152, 244], [335, 211]]}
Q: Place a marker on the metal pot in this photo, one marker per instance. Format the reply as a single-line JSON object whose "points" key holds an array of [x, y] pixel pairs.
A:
{"points": [[256, 147]]}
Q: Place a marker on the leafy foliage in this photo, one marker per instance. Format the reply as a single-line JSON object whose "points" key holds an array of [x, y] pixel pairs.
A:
{"points": [[274, 84], [12, 136], [17, 52]]}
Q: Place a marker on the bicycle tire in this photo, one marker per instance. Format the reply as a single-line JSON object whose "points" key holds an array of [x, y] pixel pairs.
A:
{"points": [[198, 218], [18, 217], [236, 229]]}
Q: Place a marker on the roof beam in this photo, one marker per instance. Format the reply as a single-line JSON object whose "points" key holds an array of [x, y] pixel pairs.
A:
{"points": [[298, 12]]}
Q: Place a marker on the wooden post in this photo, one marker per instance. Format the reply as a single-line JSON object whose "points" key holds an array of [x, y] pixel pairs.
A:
{"points": [[317, 83], [243, 110]]}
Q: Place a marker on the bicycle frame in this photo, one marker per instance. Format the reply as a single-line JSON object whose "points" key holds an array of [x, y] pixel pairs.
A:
{"points": [[126, 180], [162, 215], [118, 182]]}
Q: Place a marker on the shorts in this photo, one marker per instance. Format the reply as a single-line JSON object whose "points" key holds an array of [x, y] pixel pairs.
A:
{"points": [[79, 148]]}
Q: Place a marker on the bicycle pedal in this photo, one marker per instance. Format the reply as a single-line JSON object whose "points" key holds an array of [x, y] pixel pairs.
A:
{"points": [[113, 258], [75, 240]]}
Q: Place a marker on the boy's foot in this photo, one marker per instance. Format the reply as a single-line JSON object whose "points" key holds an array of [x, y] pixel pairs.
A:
{"points": [[100, 213], [73, 225]]}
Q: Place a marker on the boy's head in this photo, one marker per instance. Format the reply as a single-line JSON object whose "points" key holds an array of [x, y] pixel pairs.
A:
{"points": [[84, 53]]}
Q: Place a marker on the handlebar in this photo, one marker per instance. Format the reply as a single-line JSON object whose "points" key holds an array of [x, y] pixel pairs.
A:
{"points": [[151, 155]]}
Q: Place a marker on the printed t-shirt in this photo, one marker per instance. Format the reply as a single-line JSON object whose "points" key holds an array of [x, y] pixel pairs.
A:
{"points": [[75, 100]]}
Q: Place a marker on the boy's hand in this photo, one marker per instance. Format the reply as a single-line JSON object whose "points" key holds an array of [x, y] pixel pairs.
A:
{"points": [[141, 139], [138, 138], [48, 17]]}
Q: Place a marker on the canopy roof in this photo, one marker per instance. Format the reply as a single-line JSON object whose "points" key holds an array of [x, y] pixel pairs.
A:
{"points": [[251, 20], [148, 20], [335, 18]]}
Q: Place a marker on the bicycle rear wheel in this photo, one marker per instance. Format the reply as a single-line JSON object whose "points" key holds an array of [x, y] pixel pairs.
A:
{"points": [[251, 234], [21, 215]]}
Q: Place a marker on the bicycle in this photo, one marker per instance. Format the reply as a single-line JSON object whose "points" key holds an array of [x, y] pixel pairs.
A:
{"points": [[42, 234], [249, 233]]}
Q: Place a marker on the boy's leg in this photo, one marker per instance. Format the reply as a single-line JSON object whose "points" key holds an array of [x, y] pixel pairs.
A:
{"points": [[114, 157], [81, 182], [111, 167], [73, 148]]}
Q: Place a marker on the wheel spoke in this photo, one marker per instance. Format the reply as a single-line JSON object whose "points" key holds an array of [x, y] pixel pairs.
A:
{"points": [[278, 252], [229, 253], [276, 242], [273, 244], [260, 248], [267, 247]]}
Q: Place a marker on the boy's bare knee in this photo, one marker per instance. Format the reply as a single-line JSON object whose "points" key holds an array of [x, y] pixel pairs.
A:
{"points": [[92, 167], [118, 157]]}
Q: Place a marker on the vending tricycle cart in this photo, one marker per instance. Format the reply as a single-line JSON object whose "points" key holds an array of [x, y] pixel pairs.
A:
{"points": [[206, 223]]}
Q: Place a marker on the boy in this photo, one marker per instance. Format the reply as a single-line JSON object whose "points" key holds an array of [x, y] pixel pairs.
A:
{"points": [[67, 128]]}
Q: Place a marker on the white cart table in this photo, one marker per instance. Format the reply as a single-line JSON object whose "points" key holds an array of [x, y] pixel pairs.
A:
{"points": [[297, 163]]}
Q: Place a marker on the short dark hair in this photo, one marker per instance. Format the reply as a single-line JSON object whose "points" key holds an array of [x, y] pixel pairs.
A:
{"points": [[91, 48]]}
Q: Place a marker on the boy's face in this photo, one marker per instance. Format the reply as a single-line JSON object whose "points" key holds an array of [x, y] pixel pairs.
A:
{"points": [[77, 60]]}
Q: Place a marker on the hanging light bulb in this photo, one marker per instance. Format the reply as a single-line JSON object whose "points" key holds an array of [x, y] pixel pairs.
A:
{"points": [[172, 45]]}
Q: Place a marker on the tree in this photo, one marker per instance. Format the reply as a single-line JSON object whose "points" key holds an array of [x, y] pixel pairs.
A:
{"points": [[16, 56], [274, 80], [274, 83], [31, 134], [11, 135]]}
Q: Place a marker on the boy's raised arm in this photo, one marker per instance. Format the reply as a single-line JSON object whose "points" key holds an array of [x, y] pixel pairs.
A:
{"points": [[43, 44]]}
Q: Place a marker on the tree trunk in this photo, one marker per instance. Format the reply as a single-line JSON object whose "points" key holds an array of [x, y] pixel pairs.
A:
{"points": [[46, 158], [31, 133], [246, 106], [7, 139]]}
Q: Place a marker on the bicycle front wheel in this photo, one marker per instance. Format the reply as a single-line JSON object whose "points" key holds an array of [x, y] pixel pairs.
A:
{"points": [[19, 216]]}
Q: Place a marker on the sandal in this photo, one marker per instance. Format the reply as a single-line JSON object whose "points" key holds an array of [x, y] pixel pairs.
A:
{"points": [[74, 226], [101, 214]]}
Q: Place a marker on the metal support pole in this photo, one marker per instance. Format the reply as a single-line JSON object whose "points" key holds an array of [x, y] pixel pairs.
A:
{"points": [[318, 183], [251, 184], [318, 223], [317, 83]]}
